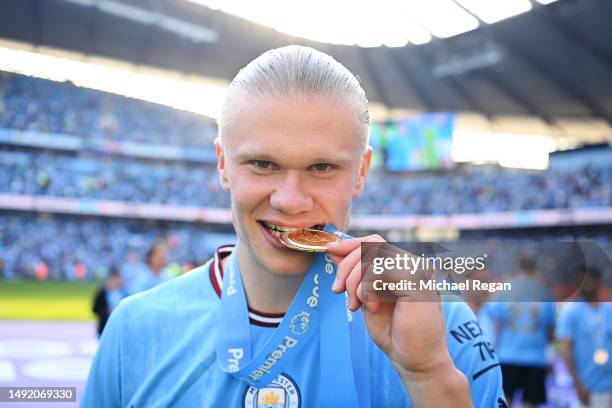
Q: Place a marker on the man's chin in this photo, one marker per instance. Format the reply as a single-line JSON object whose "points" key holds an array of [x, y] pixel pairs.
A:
{"points": [[294, 265], [282, 260]]}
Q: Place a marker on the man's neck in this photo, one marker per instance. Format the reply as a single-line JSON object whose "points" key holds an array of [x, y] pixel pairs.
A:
{"points": [[266, 292]]}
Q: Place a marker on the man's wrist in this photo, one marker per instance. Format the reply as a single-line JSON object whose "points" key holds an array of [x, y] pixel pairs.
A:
{"points": [[440, 381]]}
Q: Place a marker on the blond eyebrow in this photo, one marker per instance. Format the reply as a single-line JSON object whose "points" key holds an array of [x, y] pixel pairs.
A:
{"points": [[254, 156], [334, 160], [342, 160]]}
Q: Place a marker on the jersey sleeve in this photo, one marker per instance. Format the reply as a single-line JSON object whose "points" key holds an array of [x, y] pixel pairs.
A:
{"points": [[566, 326], [473, 354], [103, 387]]}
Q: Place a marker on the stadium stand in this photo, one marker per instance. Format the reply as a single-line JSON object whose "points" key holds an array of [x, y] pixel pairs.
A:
{"points": [[92, 172], [53, 107], [169, 182]]}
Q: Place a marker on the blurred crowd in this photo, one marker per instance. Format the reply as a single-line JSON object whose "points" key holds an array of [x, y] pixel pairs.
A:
{"points": [[110, 178], [488, 189], [80, 248], [40, 105], [167, 182]]}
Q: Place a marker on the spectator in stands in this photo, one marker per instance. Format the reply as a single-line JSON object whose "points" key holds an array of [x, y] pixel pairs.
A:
{"points": [[585, 336], [524, 327], [107, 298], [155, 272]]}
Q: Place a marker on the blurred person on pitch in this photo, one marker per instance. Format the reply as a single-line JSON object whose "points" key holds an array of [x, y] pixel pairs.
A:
{"points": [[259, 324], [107, 298], [154, 272], [585, 337], [524, 324]]}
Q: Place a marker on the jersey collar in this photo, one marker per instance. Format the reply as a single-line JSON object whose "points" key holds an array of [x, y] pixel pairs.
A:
{"points": [[216, 278]]}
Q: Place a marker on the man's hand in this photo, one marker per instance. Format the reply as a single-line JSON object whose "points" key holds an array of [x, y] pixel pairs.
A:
{"points": [[411, 333]]}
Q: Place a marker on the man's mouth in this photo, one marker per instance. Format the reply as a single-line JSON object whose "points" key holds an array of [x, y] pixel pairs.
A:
{"points": [[277, 230]]}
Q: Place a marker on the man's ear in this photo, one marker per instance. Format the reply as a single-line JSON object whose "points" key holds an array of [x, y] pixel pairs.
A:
{"points": [[363, 170], [221, 164]]}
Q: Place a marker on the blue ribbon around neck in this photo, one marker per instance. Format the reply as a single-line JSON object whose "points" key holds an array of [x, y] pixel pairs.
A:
{"points": [[344, 362]]}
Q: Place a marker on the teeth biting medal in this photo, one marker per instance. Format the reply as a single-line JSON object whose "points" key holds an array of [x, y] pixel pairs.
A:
{"points": [[308, 240]]}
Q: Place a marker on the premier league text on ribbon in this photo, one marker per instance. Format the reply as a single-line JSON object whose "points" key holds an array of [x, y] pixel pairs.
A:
{"points": [[273, 358]]}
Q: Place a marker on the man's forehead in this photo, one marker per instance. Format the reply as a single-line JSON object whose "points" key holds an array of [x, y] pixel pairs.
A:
{"points": [[314, 118]]}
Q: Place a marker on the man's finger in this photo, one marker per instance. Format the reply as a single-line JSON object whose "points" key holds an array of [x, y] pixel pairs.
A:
{"points": [[352, 283], [344, 247], [372, 306], [345, 266], [335, 258]]}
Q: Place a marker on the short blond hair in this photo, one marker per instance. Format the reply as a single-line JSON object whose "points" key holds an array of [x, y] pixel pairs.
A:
{"points": [[299, 72]]}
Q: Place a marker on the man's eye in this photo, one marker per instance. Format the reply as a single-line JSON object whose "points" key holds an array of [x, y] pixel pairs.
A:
{"points": [[321, 167], [262, 164]]}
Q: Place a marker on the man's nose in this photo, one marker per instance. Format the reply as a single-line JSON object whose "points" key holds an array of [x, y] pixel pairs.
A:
{"points": [[290, 195]]}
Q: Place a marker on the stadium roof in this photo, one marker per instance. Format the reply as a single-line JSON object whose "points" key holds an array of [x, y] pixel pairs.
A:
{"points": [[552, 62], [371, 23]]}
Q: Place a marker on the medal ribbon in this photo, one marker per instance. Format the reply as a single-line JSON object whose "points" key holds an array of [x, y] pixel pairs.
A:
{"points": [[343, 337], [301, 322], [350, 387]]}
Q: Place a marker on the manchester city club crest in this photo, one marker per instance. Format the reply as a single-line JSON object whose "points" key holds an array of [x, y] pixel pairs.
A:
{"points": [[280, 393]]}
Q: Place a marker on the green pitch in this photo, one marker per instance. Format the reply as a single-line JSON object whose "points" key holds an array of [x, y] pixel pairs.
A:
{"points": [[28, 300]]}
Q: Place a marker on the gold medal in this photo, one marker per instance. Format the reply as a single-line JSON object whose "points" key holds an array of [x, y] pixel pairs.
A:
{"points": [[308, 240], [601, 356]]}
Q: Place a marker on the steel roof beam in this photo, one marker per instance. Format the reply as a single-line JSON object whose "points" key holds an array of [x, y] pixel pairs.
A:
{"points": [[547, 14], [566, 86], [427, 100], [460, 89]]}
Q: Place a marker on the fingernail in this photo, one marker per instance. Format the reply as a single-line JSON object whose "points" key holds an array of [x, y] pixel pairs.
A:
{"points": [[332, 245], [336, 285]]}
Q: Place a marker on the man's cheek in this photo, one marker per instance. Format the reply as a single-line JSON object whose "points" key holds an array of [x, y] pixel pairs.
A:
{"points": [[340, 194], [245, 192], [337, 204]]}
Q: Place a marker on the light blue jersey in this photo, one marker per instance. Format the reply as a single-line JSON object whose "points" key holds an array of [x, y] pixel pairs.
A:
{"points": [[589, 328], [159, 349], [145, 279], [523, 331]]}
